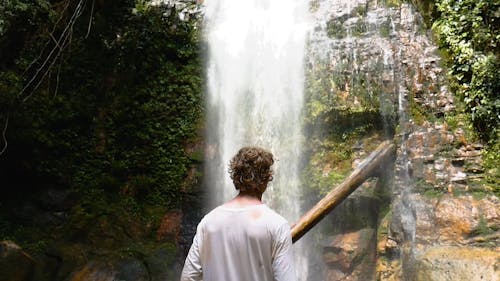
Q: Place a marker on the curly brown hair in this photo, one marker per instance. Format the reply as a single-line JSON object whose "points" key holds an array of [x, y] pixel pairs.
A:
{"points": [[250, 169]]}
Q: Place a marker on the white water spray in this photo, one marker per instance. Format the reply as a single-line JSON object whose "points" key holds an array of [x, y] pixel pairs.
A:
{"points": [[255, 92]]}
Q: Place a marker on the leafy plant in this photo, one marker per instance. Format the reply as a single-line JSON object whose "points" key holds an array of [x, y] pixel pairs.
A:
{"points": [[469, 31], [109, 120]]}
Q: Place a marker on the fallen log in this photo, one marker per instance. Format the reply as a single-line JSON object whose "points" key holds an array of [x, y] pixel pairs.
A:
{"points": [[364, 171]]}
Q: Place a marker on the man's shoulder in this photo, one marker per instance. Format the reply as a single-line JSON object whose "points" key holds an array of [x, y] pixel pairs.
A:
{"points": [[275, 216], [264, 209], [210, 214]]}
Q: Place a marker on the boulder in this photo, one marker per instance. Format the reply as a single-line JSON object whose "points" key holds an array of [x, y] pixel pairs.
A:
{"points": [[94, 271], [15, 264], [350, 256], [132, 270]]}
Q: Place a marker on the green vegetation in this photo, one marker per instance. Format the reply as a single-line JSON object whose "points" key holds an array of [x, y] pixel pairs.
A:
{"points": [[491, 160], [329, 165], [483, 228], [359, 28], [392, 3], [360, 10], [469, 33], [385, 29], [336, 29], [314, 6], [342, 116], [99, 99], [433, 193]]}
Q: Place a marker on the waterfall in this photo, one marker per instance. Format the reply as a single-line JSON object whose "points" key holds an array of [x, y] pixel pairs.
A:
{"points": [[255, 86]]}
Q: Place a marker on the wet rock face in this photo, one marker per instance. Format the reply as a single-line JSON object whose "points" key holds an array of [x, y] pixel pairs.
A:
{"points": [[46, 208], [460, 219], [170, 226], [382, 58], [458, 264], [443, 159], [466, 224], [450, 220], [15, 264]]}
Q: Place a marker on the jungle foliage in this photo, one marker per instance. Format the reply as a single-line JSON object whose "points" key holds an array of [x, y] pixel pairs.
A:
{"points": [[99, 96], [468, 33]]}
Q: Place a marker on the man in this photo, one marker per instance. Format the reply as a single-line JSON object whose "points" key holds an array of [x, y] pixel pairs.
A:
{"points": [[243, 239]]}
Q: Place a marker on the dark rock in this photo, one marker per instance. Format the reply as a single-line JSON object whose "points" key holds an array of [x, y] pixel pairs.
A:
{"points": [[131, 270], [56, 200], [15, 264], [123, 270], [51, 218], [161, 265], [94, 271], [170, 226], [61, 259], [355, 213], [25, 212], [47, 267]]}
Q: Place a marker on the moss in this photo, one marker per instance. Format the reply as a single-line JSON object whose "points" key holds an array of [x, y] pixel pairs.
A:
{"points": [[385, 29], [417, 112], [417, 115], [459, 119], [360, 28], [456, 120], [491, 164], [482, 228], [433, 193], [328, 166], [141, 249], [384, 216], [391, 3], [427, 9], [314, 6], [479, 194], [360, 10], [335, 29], [197, 156]]}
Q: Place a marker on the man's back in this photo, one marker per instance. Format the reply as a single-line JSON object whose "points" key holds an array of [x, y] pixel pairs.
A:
{"points": [[252, 243]]}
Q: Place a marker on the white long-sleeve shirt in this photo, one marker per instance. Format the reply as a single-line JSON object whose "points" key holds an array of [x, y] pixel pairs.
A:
{"points": [[241, 244]]}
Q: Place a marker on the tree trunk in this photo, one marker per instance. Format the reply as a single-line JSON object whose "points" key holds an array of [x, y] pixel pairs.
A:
{"points": [[368, 168]]}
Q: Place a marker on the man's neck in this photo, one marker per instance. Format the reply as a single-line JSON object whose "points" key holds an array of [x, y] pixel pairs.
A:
{"points": [[244, 200]]}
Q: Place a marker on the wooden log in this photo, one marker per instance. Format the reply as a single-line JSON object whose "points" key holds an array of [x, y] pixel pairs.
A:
{"points": [[364, 171]]}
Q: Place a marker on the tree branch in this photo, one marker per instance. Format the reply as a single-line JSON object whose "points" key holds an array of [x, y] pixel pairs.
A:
{"points": [[4, 132]]}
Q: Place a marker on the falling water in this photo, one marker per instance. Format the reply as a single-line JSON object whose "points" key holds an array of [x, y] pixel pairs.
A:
{"points": [[360, 48], [255, 92]]}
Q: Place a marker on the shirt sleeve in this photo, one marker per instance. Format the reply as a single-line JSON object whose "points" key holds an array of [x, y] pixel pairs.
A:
{"points": [[283, 264], [192, 270]]}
